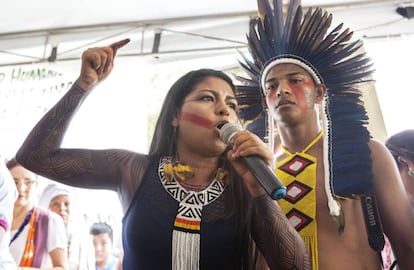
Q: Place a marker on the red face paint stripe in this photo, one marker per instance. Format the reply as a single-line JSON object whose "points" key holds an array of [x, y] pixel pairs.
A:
{"points": [[196, 119]]}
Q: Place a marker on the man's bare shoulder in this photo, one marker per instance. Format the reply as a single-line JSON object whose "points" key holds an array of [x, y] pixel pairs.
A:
{"points": [[377, 146]]}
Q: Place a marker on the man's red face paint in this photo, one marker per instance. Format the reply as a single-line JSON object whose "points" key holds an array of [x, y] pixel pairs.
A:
{"points": [[301, 93]]}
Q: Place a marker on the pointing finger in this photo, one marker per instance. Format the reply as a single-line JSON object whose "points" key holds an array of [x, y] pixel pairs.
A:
{"points": [[119, 44], [114, 47]]}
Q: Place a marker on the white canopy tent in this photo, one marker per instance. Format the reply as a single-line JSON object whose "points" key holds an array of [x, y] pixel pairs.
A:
{"points": [[41, 35], [41, 43], [35, 31]]}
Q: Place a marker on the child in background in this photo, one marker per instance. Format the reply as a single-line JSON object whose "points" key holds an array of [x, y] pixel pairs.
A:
{"points": [[103, 242]]}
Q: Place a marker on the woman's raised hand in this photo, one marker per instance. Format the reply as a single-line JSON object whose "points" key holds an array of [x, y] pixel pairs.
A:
{"points": [[97, 63]]}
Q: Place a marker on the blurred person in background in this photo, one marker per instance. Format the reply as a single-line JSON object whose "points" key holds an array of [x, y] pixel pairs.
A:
{"points": [[8, 195], [38, 236], [401, 146], [59, 199], [103, 243]]}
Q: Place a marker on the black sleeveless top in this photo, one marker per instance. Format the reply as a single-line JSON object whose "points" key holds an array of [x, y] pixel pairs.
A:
{"points": [[148, 226]]}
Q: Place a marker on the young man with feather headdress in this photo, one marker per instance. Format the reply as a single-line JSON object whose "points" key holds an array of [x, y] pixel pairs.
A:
{"points": [[344, 194]]}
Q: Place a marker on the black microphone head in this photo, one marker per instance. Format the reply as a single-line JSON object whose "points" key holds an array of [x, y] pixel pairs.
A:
{"points": [[228, 130]]}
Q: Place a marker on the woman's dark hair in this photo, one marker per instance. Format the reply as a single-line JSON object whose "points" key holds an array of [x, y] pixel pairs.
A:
{"points": [[401, 144], [163, 137]]}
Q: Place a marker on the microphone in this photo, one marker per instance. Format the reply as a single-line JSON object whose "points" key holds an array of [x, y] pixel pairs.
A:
{"points": [[260, 169]]}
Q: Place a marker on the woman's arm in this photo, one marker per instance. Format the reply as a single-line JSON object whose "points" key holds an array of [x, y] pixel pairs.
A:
{"points": [[277, 240], [41, 152], [59, 259]]}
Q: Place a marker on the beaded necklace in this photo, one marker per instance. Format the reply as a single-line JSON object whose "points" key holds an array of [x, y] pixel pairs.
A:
{"points": [[186, 230], [298, 173]]}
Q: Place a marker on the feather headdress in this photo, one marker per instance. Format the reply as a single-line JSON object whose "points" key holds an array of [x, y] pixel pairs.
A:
{"points": [[332, 59]]}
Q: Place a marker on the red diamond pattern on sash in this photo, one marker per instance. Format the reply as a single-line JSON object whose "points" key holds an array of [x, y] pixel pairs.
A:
{"points": [[298, 219], [295, 191], [295, 165]]}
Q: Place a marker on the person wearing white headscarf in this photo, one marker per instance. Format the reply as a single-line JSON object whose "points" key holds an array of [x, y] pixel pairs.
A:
{"points": [[59, 199]]}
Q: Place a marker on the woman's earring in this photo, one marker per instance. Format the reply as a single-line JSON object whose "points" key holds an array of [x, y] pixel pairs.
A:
{"points": [[176, 169], [410, 172], [405, 162]]}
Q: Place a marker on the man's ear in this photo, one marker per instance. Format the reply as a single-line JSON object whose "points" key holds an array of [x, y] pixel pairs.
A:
{"points": [[320, 92]]}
